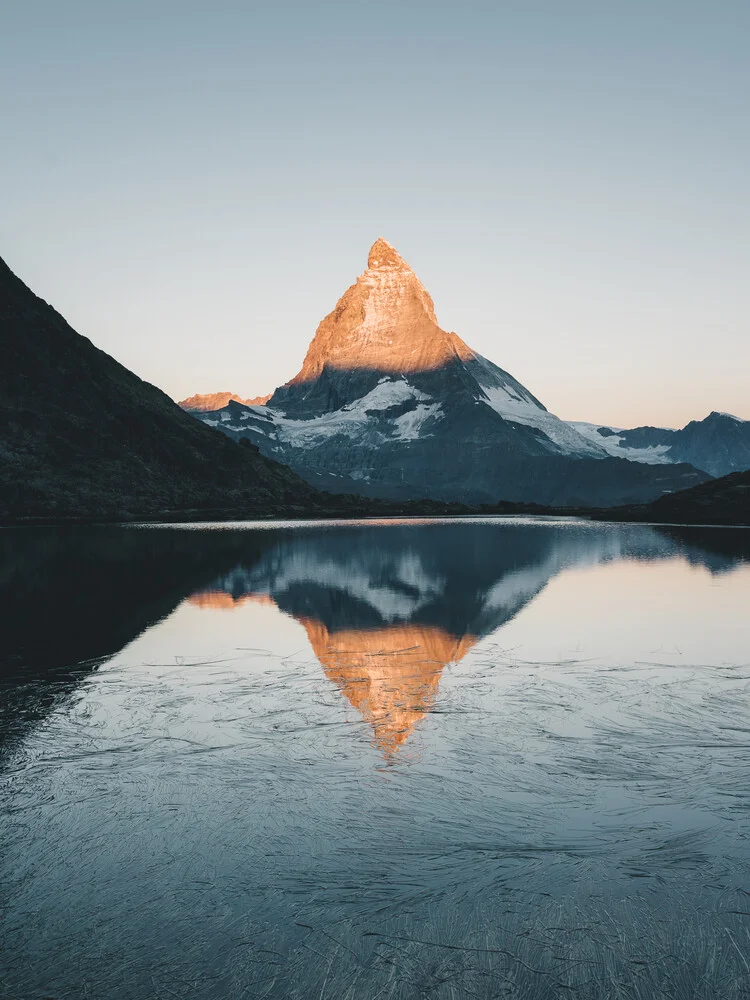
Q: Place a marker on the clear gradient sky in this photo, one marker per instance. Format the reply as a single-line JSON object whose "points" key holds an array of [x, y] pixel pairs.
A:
{"points": [[194, 184]]}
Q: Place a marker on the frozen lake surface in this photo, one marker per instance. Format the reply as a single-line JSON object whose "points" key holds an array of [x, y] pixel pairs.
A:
{"points": [[375, 760]]}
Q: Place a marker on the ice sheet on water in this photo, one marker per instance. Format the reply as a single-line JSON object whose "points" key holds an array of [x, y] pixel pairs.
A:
{"points": [[206, 813]]}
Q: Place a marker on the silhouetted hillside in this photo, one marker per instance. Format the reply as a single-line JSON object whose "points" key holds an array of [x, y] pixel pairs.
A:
{"points": [[80, 435], [720, 501]]}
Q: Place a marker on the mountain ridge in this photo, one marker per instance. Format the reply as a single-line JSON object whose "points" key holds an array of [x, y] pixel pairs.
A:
{"points": [[719, 443], [81, 435]]}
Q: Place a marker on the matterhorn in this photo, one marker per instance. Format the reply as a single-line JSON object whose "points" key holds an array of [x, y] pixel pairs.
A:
{"points": [[389, 404]]}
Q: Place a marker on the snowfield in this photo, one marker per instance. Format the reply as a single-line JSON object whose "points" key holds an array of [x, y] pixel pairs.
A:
{"points": [[366, 416], [657, 455]]}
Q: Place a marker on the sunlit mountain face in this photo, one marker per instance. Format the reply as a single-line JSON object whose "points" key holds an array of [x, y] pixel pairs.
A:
{"points": [[389, 404]]}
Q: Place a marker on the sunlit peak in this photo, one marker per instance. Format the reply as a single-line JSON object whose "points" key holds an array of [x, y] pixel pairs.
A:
{"points": [[382, 254]]}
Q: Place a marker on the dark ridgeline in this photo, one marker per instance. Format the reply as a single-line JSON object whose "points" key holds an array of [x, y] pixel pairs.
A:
{"points": [[719, 501], [73, 597], [81, 436]]}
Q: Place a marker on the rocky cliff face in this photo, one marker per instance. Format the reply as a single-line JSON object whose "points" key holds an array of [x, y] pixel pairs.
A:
{"points": [[384, 322], [389, 404]]}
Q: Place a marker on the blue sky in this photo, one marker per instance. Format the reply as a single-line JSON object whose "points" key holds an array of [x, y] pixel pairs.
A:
{"points": [[193, 185]]}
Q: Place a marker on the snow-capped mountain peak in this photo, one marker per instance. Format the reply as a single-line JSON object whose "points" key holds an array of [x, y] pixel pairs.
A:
{"points": [[388, 402]]}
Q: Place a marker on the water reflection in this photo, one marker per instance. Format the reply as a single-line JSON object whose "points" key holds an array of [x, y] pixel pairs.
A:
{"points": [[203, 815], [386, 606]]}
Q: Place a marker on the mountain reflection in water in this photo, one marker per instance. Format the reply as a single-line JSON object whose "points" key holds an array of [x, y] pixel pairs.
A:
{"points": [[386, 609], [216, 812], [385, 605]]}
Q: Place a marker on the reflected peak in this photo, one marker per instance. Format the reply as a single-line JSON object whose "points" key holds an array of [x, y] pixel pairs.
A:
{"points": [[389, 675], [222, 599]]}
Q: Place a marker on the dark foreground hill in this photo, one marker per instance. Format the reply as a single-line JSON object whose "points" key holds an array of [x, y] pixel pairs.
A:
{"points": [[720, 501], [81, 436]]}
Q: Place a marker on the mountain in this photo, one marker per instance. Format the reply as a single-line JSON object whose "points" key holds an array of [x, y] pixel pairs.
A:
{"points": [[217, 400], [388, 404], [81, 436], [718, 444]]}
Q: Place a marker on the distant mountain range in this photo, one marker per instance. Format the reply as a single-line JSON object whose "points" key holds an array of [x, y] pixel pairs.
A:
{"points": [[387, 404], [718, 444]]}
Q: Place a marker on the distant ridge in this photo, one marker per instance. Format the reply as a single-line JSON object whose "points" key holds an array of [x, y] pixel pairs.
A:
{"points": [[217, 400], [718, 444]]}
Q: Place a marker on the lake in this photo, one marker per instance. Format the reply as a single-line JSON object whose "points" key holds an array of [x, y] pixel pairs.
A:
{"points": [[397, 759]]}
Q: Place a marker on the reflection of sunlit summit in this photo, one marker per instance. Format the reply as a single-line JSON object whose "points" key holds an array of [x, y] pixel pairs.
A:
{"points": [[224, 600], [386, 608], [389, 675]]}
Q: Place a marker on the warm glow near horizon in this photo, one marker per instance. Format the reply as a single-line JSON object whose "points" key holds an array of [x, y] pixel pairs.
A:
{"points": [[195, 186]]}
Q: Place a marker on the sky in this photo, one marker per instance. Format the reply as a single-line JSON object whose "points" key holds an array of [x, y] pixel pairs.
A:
{"points": [[194, 185]]}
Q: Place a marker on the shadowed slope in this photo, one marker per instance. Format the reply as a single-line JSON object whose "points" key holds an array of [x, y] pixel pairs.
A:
{"points": [[80, 435], [719, 444]]}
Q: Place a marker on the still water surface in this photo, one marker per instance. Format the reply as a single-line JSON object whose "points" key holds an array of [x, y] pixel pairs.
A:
{"points": [[375, 760]]}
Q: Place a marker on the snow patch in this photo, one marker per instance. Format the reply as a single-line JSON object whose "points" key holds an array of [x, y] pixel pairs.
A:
{"points": [[409, 425], [356, 419], [563, 435], [653, 455], [396, 589], [720, 413]]}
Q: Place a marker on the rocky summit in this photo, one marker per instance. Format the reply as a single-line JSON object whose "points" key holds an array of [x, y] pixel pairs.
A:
{"points": [[388, 404], [385, 322]]}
